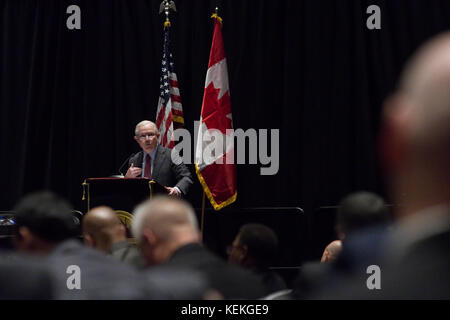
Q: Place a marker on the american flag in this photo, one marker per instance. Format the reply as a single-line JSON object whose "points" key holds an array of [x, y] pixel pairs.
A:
{"points": [[169, 116]]}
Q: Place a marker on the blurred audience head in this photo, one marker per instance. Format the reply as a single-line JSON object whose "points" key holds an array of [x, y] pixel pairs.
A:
{"points": [[162, 225], [102, 228], [415, 140], [331, 252], [43, 220], [255, 245], [360, 210]]}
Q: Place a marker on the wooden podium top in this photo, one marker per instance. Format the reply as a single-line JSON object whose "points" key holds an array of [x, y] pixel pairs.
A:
{"points": [[115, 178], [119, 193], [153, 184]]}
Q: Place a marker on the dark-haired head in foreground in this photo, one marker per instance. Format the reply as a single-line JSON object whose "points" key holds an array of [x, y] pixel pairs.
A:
{"points": [[42, 221], [361, 224], [360, 210], [256, 247]]}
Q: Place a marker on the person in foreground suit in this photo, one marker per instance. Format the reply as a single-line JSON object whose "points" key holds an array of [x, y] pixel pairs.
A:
{"points": [[362, 226], [363, 221], [102, 230], [255, 247], [24, 278], [155, 162], [44, 228], [167, 234], [415, 145], [416, 148]]}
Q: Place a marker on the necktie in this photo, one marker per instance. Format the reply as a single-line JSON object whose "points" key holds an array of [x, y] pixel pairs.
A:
{"points": [[148, 162]]}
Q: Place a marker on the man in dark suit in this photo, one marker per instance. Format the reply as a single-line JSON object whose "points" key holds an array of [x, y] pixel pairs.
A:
{"points": [[155, 162], [167, 234], [416, 153]]}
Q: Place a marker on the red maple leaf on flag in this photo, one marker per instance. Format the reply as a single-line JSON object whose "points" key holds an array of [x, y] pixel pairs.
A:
{"points": [[217, 112]]}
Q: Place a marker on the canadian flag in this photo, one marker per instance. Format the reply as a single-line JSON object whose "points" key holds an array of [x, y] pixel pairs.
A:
{"points": [[214, 154]]}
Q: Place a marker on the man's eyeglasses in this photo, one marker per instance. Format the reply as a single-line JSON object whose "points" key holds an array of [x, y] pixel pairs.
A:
{"points": [[144, 136]]}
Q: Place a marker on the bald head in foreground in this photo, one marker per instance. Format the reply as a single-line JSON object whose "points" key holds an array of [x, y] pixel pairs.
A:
{"points": [[416, 139], [163, 225], [415, 149], [167, 233], [103, 230], [331, 252]]}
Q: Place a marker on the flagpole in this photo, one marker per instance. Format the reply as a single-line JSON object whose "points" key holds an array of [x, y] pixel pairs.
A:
{"points": [[215, 15], [203, 215]]}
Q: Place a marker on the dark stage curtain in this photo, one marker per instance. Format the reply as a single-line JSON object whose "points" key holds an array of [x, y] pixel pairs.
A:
{"points": [[69, 99]]}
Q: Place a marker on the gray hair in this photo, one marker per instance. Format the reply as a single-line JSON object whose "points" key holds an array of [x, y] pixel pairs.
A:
{"points": [[151, 208], [138, 221], [142, 123]]}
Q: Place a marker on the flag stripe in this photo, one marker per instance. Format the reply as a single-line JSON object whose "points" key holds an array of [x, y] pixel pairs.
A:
{"points": [[176, 99], [177, 113], [160, 116], [177, 106]]}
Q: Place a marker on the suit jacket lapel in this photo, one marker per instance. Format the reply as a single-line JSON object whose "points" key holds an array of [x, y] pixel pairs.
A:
{"points": [[140, 159], [137, 159]]}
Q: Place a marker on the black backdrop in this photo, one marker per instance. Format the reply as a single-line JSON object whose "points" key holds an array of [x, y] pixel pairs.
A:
{"points": [[69, 99]]}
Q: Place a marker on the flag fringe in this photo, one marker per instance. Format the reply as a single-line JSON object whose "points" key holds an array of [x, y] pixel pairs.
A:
{"points": [[178, 119], [215, 205]]}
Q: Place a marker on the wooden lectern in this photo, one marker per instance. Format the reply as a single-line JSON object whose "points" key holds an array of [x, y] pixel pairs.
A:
{"points": [[121, 194]]}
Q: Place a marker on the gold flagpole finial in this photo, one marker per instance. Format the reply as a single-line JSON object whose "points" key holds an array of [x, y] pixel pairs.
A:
{"points": [[167, 23], [215, 15]]}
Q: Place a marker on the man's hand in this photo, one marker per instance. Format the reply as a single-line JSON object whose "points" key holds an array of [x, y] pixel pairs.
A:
{"points": [[133, 172], [173, 191]]}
